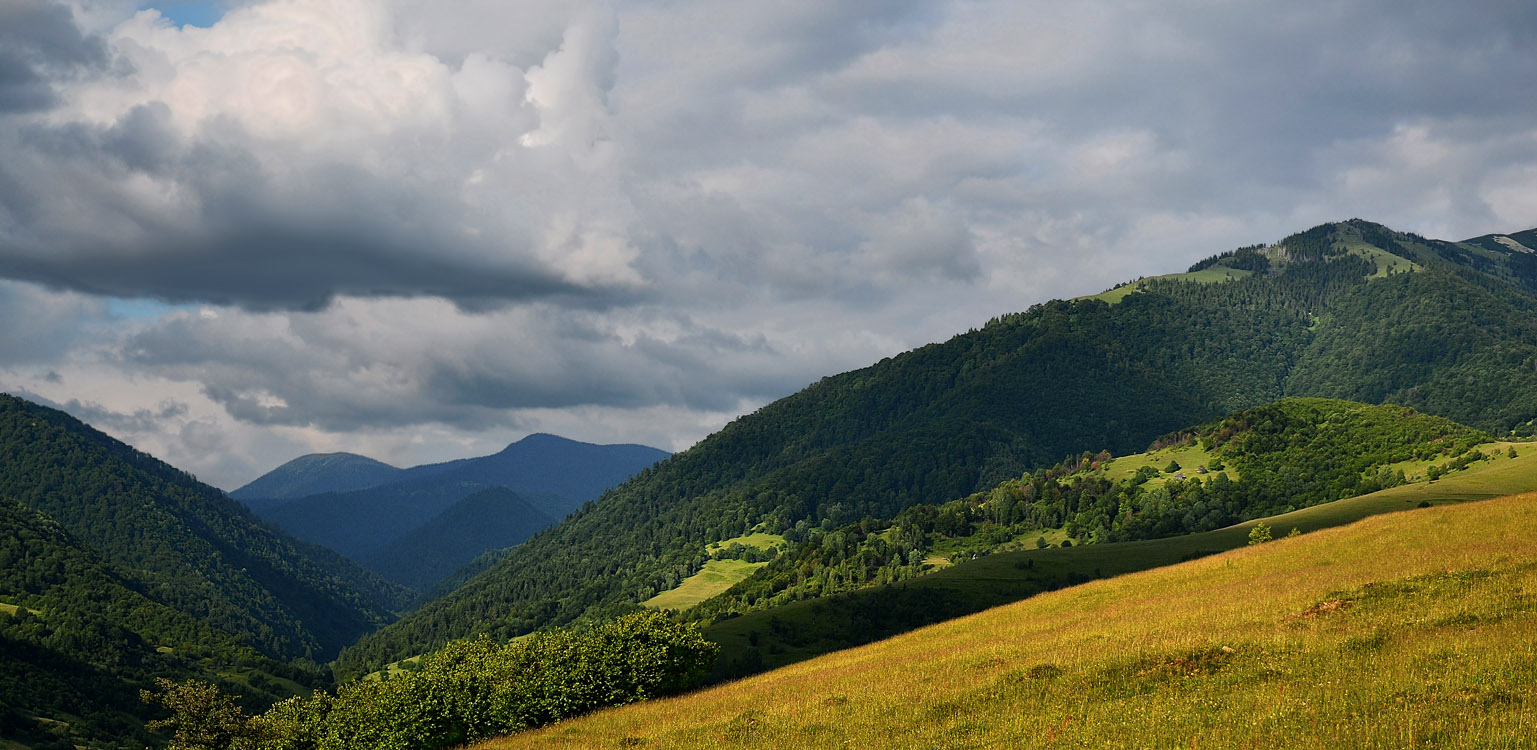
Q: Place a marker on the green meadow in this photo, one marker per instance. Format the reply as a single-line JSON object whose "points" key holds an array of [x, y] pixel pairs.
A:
{"points": [[714, 578], [1204, 276], [1407, 629]]}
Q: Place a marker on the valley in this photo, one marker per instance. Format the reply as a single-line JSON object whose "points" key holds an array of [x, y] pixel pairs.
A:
{"points": [[1004, 507]]}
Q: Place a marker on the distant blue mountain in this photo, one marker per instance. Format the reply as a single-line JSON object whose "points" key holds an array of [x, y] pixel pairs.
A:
{"points": [[489, 519], [551, 475], [315, 474]]}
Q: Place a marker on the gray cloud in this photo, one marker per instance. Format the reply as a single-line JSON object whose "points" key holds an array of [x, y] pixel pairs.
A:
{"points": [[487, 216], [39, 42], [313, 370], [41, 328]]}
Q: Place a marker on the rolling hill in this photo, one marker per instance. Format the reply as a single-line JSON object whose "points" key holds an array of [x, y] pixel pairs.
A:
{"points": [[1402, 630], [1270, 459], [767, 637], [1349, 310]]}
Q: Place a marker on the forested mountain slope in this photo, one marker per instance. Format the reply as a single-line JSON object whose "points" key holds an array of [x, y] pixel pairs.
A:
{"points": [[186, 544], [1314, 316], [78, 640], [489, 519]]}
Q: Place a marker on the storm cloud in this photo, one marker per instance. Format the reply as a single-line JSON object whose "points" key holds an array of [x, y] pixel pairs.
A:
{"points": [[388, 224]]}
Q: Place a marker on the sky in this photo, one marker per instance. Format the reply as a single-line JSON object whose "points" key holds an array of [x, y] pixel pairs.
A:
{"points": [[234, 232]]}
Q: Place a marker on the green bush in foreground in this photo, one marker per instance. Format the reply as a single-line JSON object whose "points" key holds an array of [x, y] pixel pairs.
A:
{"points": [[471, 690]]}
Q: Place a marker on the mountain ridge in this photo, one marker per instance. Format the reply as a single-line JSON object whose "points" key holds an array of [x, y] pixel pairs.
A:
{"points": [[951, 418]]}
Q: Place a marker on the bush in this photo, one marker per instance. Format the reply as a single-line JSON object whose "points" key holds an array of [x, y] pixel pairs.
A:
{"points": [[472, 690], [1259, 534]]}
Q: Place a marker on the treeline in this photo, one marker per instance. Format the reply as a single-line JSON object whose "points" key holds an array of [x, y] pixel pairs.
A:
{"points": [[1249, 258], [1291, 454], [469, 691]]}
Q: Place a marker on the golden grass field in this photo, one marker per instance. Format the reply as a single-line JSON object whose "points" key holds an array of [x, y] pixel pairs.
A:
{"points": [[1410, 629]]}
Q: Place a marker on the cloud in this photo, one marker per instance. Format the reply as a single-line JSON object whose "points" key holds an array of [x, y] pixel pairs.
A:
{"points": [[292, 153], [39, 42], [421, 227], [392, 363], [42, 328]]}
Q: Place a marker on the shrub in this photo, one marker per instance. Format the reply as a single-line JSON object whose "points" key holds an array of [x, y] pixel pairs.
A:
{"points": [[1259, 534], [466, 692]]}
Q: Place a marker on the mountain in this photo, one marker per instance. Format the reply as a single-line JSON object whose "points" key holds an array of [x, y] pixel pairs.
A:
{"points": [[550, 466], [489, 519], [315, 474], [185, 544], [1349, 310], [553, 475], [78, 640]]}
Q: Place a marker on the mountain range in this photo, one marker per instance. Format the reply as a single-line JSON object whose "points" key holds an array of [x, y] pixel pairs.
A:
{"points": [[417, 525]]}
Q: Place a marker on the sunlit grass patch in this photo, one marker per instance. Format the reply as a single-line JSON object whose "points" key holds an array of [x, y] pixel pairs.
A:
{"points": [[714, 578], [1240, 649]]}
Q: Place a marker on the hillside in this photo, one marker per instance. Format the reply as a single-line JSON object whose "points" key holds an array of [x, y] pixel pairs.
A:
{"points": [[1361, 636], [948, 420], [78, 641], [489, 519], [186, 544], [1263, 461], [771, 636], [552, 474]]}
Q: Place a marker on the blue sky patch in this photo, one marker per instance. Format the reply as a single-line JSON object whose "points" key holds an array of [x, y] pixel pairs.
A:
{"points": [[198, 13]]}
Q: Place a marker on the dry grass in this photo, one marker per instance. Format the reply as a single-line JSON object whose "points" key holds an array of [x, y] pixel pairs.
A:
{"points": [[1431, 644]]}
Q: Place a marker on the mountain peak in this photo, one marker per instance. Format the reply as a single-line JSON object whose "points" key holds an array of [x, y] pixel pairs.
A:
{"points": [[316, 473]]}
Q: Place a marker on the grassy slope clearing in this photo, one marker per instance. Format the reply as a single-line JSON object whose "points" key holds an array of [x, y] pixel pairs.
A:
{"points": [[801, 630], [1203, 276], [716, 577], [1401, 630]]}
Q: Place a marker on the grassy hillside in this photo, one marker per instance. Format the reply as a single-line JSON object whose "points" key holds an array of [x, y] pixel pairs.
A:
{"points": [[1019, 394], [783, 635], [1202, 276], [1403, 630]]}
